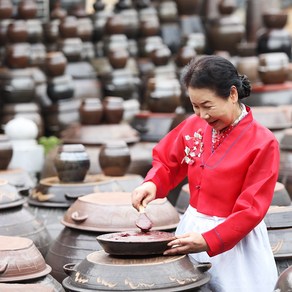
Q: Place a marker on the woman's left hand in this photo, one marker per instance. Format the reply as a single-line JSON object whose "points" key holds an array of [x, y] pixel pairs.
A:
{"points": [[187, 243]]}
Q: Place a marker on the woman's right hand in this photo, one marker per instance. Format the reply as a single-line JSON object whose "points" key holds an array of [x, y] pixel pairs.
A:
{"points": [[143, 194]]}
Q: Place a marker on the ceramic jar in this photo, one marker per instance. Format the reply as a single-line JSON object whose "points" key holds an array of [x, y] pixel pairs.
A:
{"points": [[51, 31], [55, 63], [27, 9], [163, 95], [274, 38], [68, 27], [72, 163], [273, 67], [60, 87], [118, 58], [114, 158], [113, 109], [17, 31], [91, 111], [16, 85], [58, 12], [161, 55], [6, 9], [18, 55], [186, 7], [84, 29], [184, 56], [72, 48], [6, 151]]}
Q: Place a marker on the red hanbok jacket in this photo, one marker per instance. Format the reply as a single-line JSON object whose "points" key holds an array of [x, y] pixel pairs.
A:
{"points": [[235, 181]]}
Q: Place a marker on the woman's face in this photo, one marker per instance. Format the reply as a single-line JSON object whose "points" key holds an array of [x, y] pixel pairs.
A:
{"points": [[218, 112]]}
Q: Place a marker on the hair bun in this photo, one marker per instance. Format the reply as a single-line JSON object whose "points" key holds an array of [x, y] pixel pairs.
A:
{"points": [[245, 85]]}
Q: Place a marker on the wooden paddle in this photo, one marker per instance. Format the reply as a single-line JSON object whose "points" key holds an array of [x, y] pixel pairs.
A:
{"points": [[143, 222]]}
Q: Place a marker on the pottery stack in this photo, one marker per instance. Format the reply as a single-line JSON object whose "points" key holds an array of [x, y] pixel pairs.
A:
{"points": [[16, 220], [103, 211], [23, 267], [22, 52]]}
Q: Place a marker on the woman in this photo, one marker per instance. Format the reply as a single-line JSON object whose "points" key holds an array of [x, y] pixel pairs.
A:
{"points": [[231, 163]]}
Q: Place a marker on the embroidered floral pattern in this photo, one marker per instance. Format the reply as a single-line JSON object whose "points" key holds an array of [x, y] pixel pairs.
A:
{"points": [[194, 148]]}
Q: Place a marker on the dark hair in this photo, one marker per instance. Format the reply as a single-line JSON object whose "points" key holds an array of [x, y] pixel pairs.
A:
{"points": [[215, 73]]}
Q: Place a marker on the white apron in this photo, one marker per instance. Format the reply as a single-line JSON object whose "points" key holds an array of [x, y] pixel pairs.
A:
{"points": [[247, 267]]}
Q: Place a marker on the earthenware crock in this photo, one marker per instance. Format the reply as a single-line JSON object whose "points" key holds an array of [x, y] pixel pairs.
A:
{"points": [[72, 163]]}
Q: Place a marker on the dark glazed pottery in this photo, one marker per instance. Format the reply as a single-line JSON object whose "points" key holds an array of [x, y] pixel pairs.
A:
{"points": [[68, 27], [114, 158], [145, 273], [118, 58], [113, 109], [91, 111], [18, 221], [163, 95], [135, 243], [6, 151], [6, 9], [27, 9], [55, 63], [60, 87], [16, 85], [284, 282], [17, 31], [72, 163], [71, 246], [18, 55]]}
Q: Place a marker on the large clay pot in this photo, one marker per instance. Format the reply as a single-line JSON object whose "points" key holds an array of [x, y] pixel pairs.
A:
{"points": [[17, 221], [114, 158], [118, 58], [6, 151], [72, 48], [133, 272], [72, 163], [71, 246]]}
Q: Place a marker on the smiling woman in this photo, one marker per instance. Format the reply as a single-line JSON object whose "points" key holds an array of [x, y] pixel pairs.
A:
{"points": [[232, 163]]}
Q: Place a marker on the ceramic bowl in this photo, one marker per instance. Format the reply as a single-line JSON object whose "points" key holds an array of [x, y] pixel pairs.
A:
{"points": [[20, 260]]}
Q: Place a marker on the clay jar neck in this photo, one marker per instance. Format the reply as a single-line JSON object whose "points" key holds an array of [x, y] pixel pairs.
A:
{"points": [[6, 152], [58, 12], [114, 158], [6, 9], [72, 163]]}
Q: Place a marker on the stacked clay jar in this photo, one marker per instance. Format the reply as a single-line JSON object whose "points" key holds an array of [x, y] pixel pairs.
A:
{"points": [[23, 53]]}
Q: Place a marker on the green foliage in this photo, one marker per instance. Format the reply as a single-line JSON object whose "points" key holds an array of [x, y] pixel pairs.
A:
{"points": [[49, 143]]}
